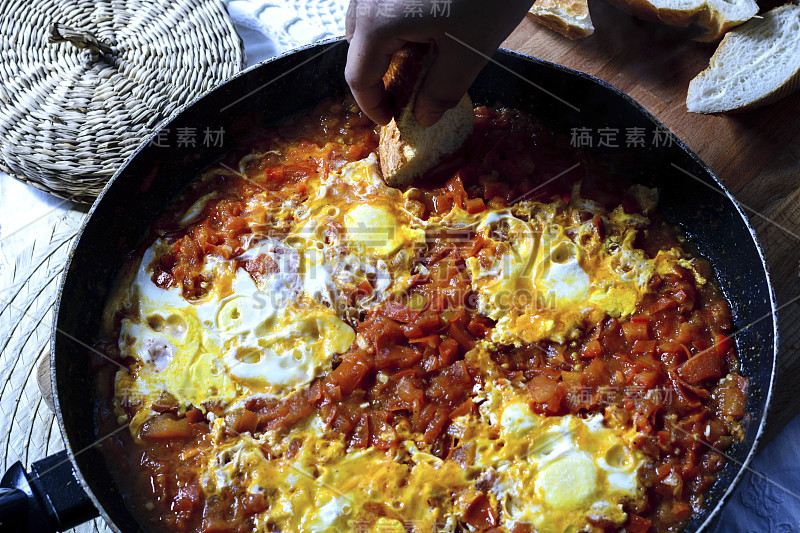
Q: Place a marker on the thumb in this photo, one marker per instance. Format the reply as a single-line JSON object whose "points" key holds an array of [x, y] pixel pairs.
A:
{"points": [[452, 72]]}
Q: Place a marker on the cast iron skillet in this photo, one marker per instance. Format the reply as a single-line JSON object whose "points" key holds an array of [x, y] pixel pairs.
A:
{"points": [[74, 486]]}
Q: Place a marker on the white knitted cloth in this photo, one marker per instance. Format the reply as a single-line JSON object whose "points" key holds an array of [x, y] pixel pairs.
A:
{"points": [[269, 27]]}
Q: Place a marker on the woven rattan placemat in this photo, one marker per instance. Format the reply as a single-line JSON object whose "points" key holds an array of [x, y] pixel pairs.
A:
{"points": [[31, 262], [83, 82]]}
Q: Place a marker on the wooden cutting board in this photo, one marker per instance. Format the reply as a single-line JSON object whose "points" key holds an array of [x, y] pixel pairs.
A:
{"points": [[756, 154]]}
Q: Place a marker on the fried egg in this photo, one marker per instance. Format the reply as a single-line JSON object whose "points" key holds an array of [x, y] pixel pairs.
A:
{"points": [[554, 472], [323, 486], [273, 332], [376, 231], [244, 337], [546, 275]]}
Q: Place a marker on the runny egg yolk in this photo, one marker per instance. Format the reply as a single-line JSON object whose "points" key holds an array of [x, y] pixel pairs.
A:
{"points": [[373, 228], [576, 471], [552, 471]]}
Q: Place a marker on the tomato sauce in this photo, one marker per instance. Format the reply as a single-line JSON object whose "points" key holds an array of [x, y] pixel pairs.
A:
{"points": [[658, 371]]}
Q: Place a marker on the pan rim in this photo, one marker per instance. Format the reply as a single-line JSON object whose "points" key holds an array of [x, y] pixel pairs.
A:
{"points": [[335, 41]]}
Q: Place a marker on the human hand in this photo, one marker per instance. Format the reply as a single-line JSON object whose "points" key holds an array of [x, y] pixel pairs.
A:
{"points": [[463, 34]]}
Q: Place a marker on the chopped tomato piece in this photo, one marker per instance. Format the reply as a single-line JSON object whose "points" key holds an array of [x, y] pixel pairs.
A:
{"points": [[448, 350], [646, 380], [397, 357], [436, 425], [723, 345], [431, 340], [166, 427], [254, 503], [732, 398], [494, 189], [350, 371], [477, 245], [187, 500], [246, 421], [664, 303], [463, 409], [195, 415], [635, 331], [409, 392], [464, 339], [456, 188], [360, 438], [475, 205], [681, 510], [591, 349], [637, 524], [644, 347], [364, 289], [399, 312], [542, 388], [704, 365], [596, 373], [480, 514], [478, 329]]}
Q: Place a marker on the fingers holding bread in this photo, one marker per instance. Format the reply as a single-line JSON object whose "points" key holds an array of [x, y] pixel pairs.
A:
{"points": [[408, 149]]}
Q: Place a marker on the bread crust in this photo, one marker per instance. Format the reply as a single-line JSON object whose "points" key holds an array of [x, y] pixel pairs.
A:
{"points": [[390, 151], [570, 18], [404, 75], [711, 21]]}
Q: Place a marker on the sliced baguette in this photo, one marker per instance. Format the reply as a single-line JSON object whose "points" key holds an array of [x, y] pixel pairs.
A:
{"points": [[407, 150], [754, 65], [714, 17], [570, 18]]}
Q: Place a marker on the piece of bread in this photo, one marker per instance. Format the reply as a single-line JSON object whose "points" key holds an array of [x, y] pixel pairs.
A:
{"points": [[713, 17], [407, 150], [755, 64], [570, 18]]}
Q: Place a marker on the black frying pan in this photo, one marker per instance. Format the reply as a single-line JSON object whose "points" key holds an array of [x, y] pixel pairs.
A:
{"points": [[64, 490]]}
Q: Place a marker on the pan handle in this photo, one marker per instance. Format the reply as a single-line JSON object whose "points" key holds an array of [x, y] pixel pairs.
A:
{"points": [[46, 500]]}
